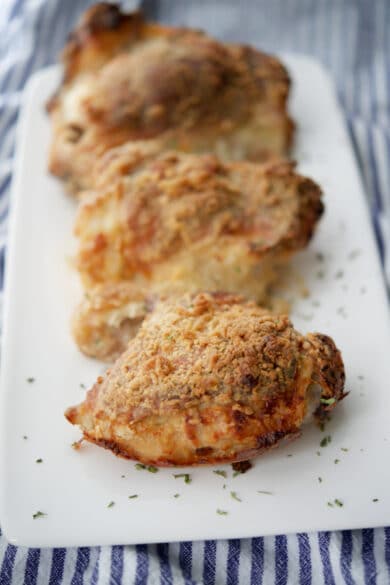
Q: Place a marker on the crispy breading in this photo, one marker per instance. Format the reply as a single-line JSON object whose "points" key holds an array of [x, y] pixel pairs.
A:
{"points": [[183, 222], [128, 79], [210, 378]]}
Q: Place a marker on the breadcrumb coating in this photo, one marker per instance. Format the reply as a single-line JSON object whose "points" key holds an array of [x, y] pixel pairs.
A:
{"points": [[209, 378], [180, 222]]}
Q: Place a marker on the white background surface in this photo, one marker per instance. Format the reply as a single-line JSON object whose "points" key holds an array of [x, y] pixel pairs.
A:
{"points": [[74, 487]]}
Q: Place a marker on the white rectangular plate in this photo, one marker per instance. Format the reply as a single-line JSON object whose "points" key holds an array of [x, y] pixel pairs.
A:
{"points": [[73, 488]]}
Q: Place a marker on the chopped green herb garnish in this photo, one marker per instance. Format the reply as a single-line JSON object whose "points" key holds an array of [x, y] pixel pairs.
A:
{"points": [[25, 437], [142, 467], [318, 453], [185, 476], [354, 254], [176, 496], [111, 505], [220, 472], [337, 461], [133, 496], [224, 486], [289, 455], [320, 274], [344, 449], [30, 380], [375, 500], [306, 316], [341, 311], [320, 257], [360, 377], [320, 479], [325, 441], [82, 386], [265, 492], [235, 496], [39, 515], [328, 401], [336, 502], [339, 274], [222, 512], [39, 460]]}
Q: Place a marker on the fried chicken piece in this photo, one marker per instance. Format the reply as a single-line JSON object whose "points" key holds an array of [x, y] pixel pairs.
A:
{"points": [[108, 317], [210, 378], [183, 222], [128, 79]]}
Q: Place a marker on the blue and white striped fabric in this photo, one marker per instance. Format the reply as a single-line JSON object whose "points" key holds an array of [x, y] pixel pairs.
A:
{"points": [[352, 39]]}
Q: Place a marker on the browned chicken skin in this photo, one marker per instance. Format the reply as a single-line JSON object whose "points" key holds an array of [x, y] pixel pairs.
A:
{"points": [[128, 79], [181, 222], [210, 378]]}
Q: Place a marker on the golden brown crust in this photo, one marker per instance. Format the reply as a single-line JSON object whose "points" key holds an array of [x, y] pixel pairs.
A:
{"points": [[189, 222], [208, 378], [128, 79]]}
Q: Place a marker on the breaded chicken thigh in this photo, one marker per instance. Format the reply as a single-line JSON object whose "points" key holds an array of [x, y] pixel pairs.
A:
{"points": [[180, 222], [108, 317], [210, 378], [128, 79]]}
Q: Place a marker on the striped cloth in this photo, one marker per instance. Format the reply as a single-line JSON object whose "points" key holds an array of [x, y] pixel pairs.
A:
{"points": [[352, 39]]}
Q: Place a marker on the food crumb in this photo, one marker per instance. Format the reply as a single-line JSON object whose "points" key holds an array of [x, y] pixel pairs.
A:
{"points": [[77, 444], [241, 467]]}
